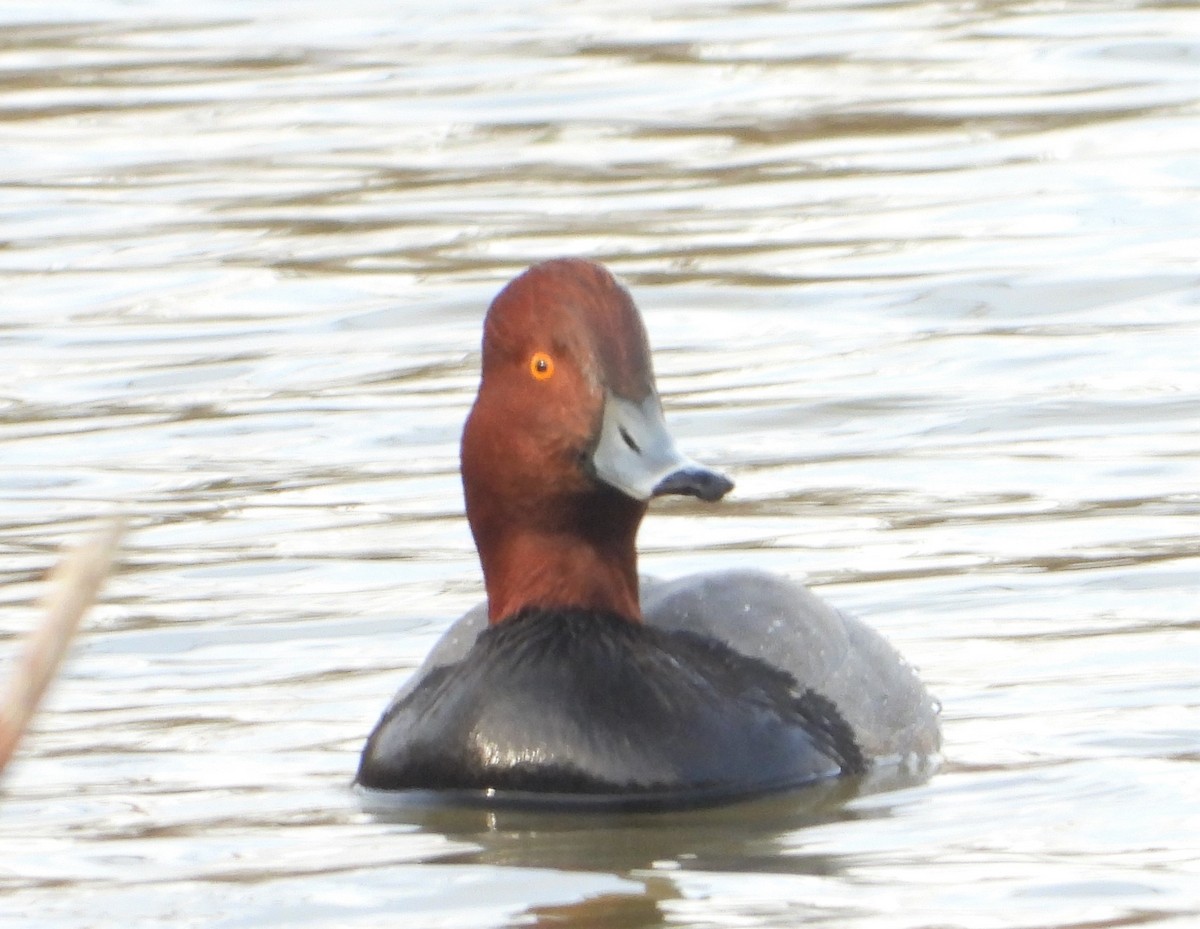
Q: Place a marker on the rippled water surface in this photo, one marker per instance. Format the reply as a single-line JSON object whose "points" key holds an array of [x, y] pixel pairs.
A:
{"points": [[921, 276]]}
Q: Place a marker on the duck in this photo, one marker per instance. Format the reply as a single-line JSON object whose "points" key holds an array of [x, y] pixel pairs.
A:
{"points": [[580, 680]]}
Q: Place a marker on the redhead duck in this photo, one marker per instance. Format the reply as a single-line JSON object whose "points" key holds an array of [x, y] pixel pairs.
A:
{"points": [[578, 680]]}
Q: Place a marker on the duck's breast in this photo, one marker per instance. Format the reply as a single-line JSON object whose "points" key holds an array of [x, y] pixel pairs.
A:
{"points": [[571, 702], [776, 620]]}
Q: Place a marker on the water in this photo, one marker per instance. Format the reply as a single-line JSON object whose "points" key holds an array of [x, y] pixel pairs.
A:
{"points": [[921, 276]]}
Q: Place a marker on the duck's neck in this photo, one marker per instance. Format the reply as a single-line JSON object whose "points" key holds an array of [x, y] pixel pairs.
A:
{"points": [[589, 563]]}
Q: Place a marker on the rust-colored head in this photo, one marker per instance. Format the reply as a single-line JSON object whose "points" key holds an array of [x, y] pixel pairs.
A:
{"points": [[566, 444]]}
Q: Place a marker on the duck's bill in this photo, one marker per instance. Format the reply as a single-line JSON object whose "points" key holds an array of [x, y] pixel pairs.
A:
{"points": [[636, 454]]}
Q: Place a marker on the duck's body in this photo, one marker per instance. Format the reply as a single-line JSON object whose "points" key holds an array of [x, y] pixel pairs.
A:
{"points": [[580, 702], [574, 678]]}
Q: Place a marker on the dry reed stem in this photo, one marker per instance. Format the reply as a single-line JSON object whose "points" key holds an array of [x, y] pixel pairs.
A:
{"points": [[74, 583]]}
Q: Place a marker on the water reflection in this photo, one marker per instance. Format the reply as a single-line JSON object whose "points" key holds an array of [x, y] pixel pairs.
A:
{"points": [[746, 833], [759, 837]]}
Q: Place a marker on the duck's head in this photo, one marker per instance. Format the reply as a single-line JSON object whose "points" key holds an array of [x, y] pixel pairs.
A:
{"points": [[566, 444]]}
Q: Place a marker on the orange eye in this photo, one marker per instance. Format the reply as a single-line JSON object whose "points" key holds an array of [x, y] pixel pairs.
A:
{"points": [[541, 366]]}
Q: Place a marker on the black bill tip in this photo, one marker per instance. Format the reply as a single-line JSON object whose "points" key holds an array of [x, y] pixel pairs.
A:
{"points": [[694, 481]]}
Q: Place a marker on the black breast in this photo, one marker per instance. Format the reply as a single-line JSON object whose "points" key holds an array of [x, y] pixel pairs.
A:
{"points": [[575, 702]]}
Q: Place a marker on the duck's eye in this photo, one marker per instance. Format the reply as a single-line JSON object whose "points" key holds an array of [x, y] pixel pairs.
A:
{"points": [[541, 366]]}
